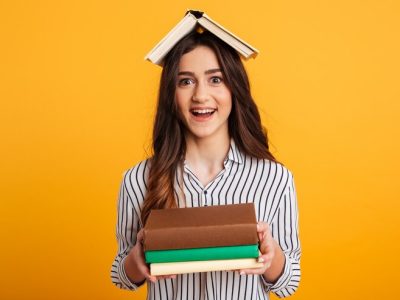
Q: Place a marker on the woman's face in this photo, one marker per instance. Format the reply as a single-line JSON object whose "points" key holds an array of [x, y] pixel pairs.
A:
{"points": [[204, 101]]}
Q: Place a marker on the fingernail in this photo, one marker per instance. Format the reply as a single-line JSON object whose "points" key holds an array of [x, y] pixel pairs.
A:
{"points": [[260, 259], [242, 273]]}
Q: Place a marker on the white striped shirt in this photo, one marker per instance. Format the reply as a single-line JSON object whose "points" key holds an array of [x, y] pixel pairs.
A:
{"points": [[244, 179]]}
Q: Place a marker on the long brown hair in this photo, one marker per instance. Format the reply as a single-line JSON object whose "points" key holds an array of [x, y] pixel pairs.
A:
{"points": [[169, 144]]}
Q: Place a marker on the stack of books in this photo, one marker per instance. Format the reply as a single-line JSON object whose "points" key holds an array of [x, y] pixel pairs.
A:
{"points": [[201, 239]]}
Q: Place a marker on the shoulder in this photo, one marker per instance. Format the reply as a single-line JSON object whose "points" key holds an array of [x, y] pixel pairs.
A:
{"points": [[139, 168], [261, 166], [269, 167], [135, 178], [279, 169], [269, 171]]}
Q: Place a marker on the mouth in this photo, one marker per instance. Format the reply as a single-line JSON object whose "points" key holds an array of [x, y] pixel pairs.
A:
{"points": [[206, 112]]}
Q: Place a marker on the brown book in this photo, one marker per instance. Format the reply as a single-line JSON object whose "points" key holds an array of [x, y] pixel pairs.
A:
{"points": [[197, 227]]}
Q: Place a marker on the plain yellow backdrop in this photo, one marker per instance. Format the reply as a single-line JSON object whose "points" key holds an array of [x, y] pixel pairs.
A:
{"points": [[77, 104]]}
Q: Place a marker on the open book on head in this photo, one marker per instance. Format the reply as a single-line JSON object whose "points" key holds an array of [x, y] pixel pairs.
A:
{"points": [[198, 20]]}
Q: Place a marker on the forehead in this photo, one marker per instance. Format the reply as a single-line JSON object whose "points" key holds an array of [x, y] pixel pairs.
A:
{"points": [[199, 59]]}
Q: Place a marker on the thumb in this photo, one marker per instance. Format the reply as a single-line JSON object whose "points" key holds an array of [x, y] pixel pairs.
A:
{"points": [[140, 236]]}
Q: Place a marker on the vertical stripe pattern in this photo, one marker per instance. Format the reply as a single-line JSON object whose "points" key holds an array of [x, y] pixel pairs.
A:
{"points": [[244, 179]]}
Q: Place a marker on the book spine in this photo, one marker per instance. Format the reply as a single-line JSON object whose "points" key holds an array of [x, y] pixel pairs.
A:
{"points": [[203, 266], [200, 237], [210, 253]]}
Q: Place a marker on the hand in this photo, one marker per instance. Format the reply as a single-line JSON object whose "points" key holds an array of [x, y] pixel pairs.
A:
{"points": [[268, 248], [136, 255]]}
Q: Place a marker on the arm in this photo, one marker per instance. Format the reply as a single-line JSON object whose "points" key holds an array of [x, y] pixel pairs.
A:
{"points": [[126, 231], [285, 232], [280, 248], [129, 269]]}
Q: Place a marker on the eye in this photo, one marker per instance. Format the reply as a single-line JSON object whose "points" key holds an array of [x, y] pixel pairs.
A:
{"points": [[185, 81], [216, 79]]}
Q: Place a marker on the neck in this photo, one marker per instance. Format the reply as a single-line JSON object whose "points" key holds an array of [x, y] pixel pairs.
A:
{"points": [[207, 152]]}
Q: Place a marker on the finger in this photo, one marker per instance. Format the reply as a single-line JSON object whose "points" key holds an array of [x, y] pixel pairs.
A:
{"points": [[267, 247], [263, 236], [140, 236], [146, 273], [268, 235], [152, 278], [262, 231], [266, 258], [166, 277], [260, 236], [262, 226], [264, 244], [144, 269], [258, 271], [262, 258]]}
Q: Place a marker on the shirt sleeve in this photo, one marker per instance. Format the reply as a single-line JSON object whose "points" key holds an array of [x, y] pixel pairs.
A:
{"points": [[285, 230], [126, 229]]}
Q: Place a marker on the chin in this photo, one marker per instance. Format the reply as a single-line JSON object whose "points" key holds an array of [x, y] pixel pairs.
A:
{"points": [[204, 134], [200, 136]]}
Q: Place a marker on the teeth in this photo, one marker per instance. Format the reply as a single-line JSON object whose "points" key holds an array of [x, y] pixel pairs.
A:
{"points": [[202, 111]]}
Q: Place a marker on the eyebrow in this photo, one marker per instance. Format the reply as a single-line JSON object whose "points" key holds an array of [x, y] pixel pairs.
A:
{"points": [[206, 72]]}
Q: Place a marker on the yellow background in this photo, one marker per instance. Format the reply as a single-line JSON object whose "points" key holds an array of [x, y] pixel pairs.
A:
{"points": [[77, 104]]}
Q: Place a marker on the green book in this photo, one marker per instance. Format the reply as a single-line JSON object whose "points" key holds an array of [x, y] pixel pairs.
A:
{"points": [[196, 254]]}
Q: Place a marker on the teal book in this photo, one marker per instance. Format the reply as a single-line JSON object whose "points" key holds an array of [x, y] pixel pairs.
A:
{"points": [[200, 254]]}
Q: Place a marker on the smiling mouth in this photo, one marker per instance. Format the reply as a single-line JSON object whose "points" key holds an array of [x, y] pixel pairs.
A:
{"points": [[202, 112]]}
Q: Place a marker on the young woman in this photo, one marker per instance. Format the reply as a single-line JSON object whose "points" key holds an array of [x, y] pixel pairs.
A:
{"points": [[209, 149]]}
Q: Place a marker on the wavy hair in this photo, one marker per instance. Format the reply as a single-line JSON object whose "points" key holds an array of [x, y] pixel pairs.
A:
{"points": [[169, 144]]}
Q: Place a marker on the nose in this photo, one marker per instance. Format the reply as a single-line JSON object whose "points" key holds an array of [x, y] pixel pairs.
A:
{"points": [[200, 93]]}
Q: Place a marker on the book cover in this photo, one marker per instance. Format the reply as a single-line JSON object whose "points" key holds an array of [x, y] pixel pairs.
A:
{"points": [[199, 227]]}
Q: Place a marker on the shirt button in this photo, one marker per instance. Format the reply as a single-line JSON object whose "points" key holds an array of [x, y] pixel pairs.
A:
{"points": [[205, 192]]}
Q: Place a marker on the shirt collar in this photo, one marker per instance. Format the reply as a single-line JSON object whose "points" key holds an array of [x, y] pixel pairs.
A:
{"points": [[234, 154]]}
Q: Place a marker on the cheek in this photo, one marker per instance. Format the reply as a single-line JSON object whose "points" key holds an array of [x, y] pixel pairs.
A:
{"points": [[181, 97], [180, 107], [178, 101], [224, 94], [226, 100]]}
